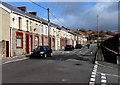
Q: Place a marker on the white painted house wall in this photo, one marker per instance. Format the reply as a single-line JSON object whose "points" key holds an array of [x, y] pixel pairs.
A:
{"points": [[45, 30]]}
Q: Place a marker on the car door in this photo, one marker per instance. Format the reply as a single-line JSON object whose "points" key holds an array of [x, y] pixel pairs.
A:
{"points": [[48, 50]]}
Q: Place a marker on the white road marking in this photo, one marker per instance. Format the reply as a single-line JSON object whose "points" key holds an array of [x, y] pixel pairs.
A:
{"points": [[67, 52], [103, 78], [93, 76], [91, 83], [95, 66], [92, 79], [103, 74], [103, 81], [94, 73], [63, 79], [94, 70], [109, 74], [103, 84]]}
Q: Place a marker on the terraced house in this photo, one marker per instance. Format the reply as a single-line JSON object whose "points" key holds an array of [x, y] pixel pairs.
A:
{"points": [[23, 31]]}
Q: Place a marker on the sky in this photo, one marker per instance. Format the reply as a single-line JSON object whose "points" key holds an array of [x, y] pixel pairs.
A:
{"points": [[78, 15]]}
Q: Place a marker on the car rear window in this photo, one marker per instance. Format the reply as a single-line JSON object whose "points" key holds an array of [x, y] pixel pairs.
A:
{"points": [[68, 45]]}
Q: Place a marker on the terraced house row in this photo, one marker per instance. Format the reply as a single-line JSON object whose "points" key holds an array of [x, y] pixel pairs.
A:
{"points": [[22, 31]]}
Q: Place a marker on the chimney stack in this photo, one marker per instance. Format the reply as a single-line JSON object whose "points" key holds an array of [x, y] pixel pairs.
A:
{"points": [[23, 8], [33, 13]]}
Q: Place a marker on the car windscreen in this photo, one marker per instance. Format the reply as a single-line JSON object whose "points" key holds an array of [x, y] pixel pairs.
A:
{"points": [[41, 48], [47, 47]]}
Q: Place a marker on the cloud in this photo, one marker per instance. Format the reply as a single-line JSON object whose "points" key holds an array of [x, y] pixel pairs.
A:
{"points": [[75, 17]]}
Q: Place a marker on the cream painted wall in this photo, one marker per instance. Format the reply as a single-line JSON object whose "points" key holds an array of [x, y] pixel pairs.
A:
{"points": [[14, 24], [68, 35], [57, 39], [45, 30], [0, 24], [52, 31], [5, 23]]}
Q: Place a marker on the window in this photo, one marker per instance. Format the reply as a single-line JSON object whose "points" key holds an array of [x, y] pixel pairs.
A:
{"points": [[13, 19], [20, 23], [46, 31], [30, 26], [27, 24], [19, 40], [36, 41]]}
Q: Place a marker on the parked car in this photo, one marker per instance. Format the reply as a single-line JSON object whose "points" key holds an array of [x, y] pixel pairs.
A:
{"points": [[78, 46], [69, 48], [41, 51]]}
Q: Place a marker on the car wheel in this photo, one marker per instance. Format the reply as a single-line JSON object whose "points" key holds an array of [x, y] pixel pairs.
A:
{"points": [[45, 55], [51, 54]]}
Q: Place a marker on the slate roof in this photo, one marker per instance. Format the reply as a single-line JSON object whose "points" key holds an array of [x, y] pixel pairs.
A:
{"points": [[12, 8], [15, 9]]}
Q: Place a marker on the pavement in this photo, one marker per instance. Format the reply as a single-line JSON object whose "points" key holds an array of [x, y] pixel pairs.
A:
{"points": [[99, 60], [20, 57], [13, 59], [107, 72]]}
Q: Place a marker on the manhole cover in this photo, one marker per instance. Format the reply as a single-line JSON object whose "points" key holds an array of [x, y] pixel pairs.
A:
{"points": [[78, 64]]}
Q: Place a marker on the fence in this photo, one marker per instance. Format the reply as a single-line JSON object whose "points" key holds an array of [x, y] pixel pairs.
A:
{"points": [[110, 49]]}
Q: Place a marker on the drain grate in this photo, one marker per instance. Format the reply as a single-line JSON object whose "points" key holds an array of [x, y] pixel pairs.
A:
{"points": [[78, 64]]}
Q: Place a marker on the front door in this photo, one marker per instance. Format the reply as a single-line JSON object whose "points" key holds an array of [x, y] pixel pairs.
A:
{"points": [[7, 48], [27, 44]]}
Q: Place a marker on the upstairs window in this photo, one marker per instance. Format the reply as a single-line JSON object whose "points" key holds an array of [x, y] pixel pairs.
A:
{"points": [[20, 23], [46, 31], [30, 26], [27, 25]]}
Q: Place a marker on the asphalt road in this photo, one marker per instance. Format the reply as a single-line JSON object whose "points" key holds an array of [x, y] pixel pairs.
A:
{"points": [[64, 67]]}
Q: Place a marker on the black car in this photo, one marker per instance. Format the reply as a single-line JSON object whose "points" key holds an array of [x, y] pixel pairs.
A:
{"points": [[78, 46], [69, 48], [42, 51]]}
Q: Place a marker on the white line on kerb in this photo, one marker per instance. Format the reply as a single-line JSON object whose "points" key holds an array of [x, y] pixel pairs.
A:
{"points": [[103, 78], [93, 75]]}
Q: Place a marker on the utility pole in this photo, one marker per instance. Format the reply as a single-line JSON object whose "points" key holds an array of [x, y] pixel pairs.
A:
{"points": [[48, 26], [98, 31]]}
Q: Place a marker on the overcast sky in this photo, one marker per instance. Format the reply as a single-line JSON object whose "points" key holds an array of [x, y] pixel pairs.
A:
{"points": [[77, 15]]}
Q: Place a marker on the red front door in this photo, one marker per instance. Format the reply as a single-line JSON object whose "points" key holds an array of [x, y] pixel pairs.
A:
{"points": [[28, 43]]}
